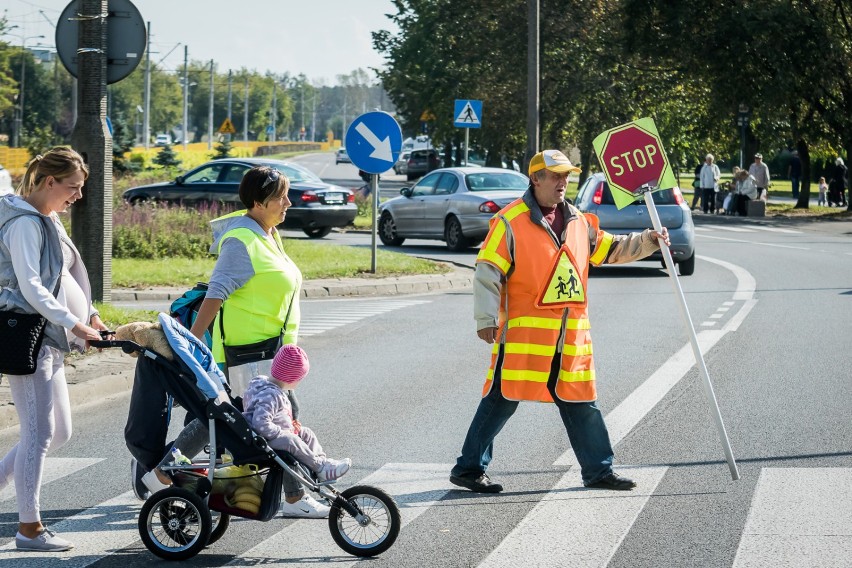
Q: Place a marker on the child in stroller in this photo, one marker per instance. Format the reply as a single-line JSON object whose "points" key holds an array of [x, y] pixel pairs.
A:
{"points": [[176, 523]]}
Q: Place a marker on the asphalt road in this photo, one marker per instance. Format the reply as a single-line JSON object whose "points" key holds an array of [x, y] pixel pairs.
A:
{"points": [[395, 381]]}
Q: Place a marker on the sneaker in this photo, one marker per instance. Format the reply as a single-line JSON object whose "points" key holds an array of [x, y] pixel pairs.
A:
{"points": [[613, 481], [332, 469], [137, 470], [481, 484], [153, 483], [305, 508], [47, 541]]}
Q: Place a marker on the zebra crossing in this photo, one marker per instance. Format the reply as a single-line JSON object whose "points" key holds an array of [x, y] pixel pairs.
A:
{"points": [[797, 517], [751, 228], [325, 315]]}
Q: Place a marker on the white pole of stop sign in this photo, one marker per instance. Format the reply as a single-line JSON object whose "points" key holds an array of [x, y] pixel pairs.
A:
{"points": [[693, 339]]}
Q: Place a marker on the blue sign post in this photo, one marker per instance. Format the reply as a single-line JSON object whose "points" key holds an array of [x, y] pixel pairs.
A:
{"points": [[468, 114], [373, 142]]}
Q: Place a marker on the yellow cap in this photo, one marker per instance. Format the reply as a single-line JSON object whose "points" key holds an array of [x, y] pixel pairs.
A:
{"points": [[553, 160]]}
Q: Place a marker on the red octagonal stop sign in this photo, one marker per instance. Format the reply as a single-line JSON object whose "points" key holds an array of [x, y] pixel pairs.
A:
{"points": [[633, 157]]}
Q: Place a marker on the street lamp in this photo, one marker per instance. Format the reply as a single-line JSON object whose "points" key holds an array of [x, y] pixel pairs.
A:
{"points": [[742, 121], [19, 121]]}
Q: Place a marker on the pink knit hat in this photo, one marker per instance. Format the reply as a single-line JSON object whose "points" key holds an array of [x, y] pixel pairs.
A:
{"points": [[290, 365]]}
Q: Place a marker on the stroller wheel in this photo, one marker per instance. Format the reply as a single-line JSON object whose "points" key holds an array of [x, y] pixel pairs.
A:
{"points": [[175, 524], [220, 525], [376, 529]]}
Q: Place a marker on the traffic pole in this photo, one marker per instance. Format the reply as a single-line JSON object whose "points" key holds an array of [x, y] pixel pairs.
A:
{"points": [[693, 338], [374, 191]]}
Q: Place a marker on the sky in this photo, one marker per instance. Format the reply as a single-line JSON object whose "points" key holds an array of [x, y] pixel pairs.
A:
{"points": [[318, 38]]}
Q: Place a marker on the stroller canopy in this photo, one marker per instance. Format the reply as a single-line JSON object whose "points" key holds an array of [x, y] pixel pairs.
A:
{"points": [[195, 354]]}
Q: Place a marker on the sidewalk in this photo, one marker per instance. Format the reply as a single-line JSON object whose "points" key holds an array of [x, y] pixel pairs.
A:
{"points": [[98, 375]]}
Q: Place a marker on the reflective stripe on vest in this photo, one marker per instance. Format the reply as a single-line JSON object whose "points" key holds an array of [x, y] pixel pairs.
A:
{"points": [[258, 309], [528, 336]]}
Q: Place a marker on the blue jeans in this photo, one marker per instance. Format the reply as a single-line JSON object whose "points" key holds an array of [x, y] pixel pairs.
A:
{"points": [[583, 421]]}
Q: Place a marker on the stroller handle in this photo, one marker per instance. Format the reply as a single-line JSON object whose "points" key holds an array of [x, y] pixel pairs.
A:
{"points": [[127, 346]]}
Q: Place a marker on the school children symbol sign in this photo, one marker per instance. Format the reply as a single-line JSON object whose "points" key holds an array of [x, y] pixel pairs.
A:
{"points": [[632, 157], [564, 288]]}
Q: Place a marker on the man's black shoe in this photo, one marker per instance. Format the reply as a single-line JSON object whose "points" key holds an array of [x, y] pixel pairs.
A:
{"points": [[613, 481], [481, 484]]}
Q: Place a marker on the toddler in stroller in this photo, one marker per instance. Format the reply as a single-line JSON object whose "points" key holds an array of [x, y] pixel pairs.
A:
{"points": [[176, 523]]}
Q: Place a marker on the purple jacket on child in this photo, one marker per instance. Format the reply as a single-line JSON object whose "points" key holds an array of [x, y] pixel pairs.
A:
{"points": [[268, 408]]}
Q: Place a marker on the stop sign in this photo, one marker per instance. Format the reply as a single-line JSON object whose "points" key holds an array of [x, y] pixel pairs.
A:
{"points": [[632, 156]]}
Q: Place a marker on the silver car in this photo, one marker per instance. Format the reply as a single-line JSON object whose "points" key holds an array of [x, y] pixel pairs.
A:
{"points": [[450, 204], [595, 197]]}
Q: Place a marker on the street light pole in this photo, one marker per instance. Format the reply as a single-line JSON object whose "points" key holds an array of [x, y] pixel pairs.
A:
{"points": [[185, 93], [19, 121], [742, 120]]}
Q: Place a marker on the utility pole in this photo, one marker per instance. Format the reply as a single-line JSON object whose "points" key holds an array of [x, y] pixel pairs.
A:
{"points": [[314, 118], [146, 118], [91, 216], [185, 93], [273, 115], [210, 112], [533, 109], [230, 82], [245, 112]]}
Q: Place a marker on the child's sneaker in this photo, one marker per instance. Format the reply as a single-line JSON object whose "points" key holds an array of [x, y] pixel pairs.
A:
{"points": [[333, 469]]}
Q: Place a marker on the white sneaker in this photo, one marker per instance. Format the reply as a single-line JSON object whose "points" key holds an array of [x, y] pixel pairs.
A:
{"points": [[153, 483], [47, 541], [305, 508], [332, 469]]}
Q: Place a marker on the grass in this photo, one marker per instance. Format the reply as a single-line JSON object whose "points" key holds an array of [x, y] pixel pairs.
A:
{"points": [[314, 260], [113, 316]]}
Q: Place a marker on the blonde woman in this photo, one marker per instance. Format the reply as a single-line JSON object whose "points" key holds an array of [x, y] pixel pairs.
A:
{"points": [[38, 259]]}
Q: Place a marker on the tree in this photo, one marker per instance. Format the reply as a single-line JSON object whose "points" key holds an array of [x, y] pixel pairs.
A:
{"points": [[223, 148], [167, 157]]}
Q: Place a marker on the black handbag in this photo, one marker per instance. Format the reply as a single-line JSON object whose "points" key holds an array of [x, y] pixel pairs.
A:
{"points": [[263, 350], [21, 336]]}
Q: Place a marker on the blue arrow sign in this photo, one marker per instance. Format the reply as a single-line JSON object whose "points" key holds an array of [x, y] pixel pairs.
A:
{"points": [[373, 142], [468, 114]]}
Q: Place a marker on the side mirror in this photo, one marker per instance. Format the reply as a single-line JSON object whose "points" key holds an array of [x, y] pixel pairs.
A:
{"points": [[406, 191], [179, 180]]}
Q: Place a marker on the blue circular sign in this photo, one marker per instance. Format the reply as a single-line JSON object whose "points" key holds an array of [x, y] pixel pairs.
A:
{"points": [[373, 142]]}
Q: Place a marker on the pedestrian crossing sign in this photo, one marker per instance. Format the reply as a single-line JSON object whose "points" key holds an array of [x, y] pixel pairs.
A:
{"points": [[227, 127], [468, 114], [564, 288]]}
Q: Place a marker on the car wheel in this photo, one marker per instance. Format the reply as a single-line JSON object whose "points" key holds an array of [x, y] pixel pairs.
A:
{"points": [[387, 231], [687, 267], [456, 241], [317, 232]]}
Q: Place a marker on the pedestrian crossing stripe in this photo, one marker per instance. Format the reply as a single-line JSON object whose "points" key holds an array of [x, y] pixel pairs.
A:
{"points": [[467, 115], [564, 287]]}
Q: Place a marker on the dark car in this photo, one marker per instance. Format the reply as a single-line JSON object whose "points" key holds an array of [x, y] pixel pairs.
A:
{"points": [[595, 197], [317, 206], [450, 204], [421, 162]]}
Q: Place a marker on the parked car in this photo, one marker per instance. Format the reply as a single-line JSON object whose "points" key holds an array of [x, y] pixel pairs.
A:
{"points": [[342, 157], [317, 206], [401, 165], [450, 204], [163, 140], [5, 181], [595, 197], [421, 162]]}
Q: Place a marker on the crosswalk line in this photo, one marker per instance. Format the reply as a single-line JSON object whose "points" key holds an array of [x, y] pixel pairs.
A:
{"points": [[308, 543], [597, 520], [54, 468], [337, 313], [776, 229], [799, 517], [732, 229], [97, 532]]}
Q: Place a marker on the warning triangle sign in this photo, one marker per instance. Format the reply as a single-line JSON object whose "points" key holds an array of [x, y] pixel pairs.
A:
{"points": [[227, 127], [468, 115], [565, 287]]}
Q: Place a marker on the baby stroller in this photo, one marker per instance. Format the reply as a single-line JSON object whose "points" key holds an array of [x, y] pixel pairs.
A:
{"points": [[176, 523]]}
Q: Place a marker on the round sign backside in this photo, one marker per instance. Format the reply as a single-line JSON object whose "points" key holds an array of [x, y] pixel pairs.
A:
{"points": [[126, 38]]}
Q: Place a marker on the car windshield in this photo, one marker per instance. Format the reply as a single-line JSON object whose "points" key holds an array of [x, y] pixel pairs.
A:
{"points": [[296, 174], [662, 197], [489, 181]]}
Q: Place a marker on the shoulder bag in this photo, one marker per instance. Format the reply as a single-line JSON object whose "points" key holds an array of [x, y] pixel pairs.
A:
{"points": [[21, 336]]}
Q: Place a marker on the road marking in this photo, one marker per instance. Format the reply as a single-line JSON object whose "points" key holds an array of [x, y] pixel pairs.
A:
{"points": [[54, 468], [732, 229], [798, 515], [97, 532], [776, 229], [597, 520], [307, 542], [337, 313]]}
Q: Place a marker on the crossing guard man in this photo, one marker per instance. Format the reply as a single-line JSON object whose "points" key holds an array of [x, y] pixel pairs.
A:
{"points": [[542, 345]]}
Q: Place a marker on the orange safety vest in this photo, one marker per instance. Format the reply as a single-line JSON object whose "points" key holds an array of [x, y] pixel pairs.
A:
{"points": [[528, 335]]}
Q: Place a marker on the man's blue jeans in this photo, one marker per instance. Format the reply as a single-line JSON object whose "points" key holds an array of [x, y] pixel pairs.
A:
{"points": [[583, 421]]}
